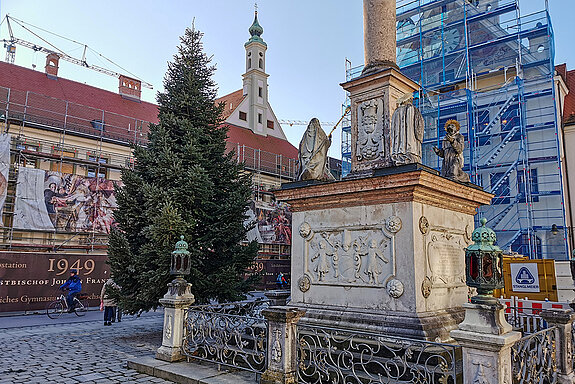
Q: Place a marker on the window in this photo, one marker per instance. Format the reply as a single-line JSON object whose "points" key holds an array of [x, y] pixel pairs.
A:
{"points": [[270, 124], [532, 175], [98, 124], [261, 64], [260, 92], [243, 116], [260, 118], [60, 165], [101, 171], [500, 188]]}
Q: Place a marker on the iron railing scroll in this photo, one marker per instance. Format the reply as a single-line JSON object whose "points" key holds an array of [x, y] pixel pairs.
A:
{"points": [[232, 334], [534, 358], [327, 355]]}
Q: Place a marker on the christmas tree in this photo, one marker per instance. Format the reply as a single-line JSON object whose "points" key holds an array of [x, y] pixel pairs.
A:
{"points": [[183, 183]]}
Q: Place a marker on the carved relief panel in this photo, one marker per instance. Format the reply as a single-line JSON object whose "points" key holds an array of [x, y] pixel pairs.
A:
{"points": [[359, 256], [370, 121]]}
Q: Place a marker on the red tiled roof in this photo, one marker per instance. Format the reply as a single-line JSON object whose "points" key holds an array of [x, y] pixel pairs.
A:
{"points": [[271, 144], [24, 79], [232, 101], [569, 103]]}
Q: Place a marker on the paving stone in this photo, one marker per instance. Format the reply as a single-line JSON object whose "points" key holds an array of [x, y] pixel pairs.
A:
{"points": [[79, 352]]}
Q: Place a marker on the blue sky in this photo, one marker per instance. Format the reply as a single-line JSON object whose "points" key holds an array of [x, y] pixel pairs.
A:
{"points": [[308, 42]]}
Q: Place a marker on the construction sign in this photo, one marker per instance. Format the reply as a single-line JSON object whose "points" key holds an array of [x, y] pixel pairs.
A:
{"points": [[532, 279], [524, 277]]}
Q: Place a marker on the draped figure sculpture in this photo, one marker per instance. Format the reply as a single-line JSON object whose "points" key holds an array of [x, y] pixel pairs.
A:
{"points": [[312, 154], [406, 132], [452, 153]]}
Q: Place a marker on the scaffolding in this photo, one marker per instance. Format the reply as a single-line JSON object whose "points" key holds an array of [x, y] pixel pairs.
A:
{"points": [[60, 136], [492, 69]]}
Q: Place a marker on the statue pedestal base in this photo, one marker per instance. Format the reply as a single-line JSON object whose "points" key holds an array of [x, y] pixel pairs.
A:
{"points": [[384, 252], [373, 99]]}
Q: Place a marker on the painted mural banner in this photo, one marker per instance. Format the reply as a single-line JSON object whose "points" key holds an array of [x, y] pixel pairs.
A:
{"points": [[47, 200], [273, 222], [29, 281], [4, 168]]}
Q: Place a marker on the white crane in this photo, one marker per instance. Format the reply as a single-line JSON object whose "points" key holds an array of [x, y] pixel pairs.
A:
{"points": [[10, 45]]}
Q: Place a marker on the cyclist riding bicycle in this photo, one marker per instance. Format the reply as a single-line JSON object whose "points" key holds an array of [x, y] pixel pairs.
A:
{"points": [[73, 285]]}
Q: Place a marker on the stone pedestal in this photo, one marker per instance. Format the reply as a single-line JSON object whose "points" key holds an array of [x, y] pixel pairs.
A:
{"points": [[277, 297], [373, 101], [563, 320], [383, 253], [282, 343], [486, 338], [175, 302]]}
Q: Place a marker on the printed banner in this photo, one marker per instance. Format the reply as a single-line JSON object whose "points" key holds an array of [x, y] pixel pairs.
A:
{"points": [[4, 168], [29, 281], [63, 202], [273, 223]]}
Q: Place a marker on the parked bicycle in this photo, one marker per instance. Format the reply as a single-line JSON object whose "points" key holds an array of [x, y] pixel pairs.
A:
{"points": [[60, 305]]}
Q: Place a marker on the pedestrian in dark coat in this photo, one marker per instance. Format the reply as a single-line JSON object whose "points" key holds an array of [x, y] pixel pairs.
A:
{"points": [[107, 300]]}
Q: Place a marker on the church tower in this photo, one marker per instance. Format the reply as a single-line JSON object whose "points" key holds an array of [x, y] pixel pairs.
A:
{"points": [[260, 117], [249, 107]]}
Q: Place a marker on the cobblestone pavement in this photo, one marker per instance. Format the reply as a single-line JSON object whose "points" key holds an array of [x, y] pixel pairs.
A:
{"points": [[85, 352]]}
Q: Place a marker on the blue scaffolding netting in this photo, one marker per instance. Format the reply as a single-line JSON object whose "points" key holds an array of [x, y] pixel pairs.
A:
{"points": [[492, 69]]}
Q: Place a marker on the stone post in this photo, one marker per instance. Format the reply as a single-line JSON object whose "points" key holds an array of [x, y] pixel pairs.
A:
{"points": [[379, 34], [282, 344], [175, 302], [563, 320], [486, 338], [278, 296]]}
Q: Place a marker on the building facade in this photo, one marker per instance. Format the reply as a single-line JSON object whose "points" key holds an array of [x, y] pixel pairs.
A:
{"points": [[62, 147]]}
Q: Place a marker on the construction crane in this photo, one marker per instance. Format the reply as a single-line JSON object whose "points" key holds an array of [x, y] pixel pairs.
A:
{"points": [[291, 123], [10, 45]]}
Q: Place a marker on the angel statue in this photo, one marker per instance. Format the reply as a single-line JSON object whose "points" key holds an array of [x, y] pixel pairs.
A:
{"points": [[406, 132], [312, 154], [452, 153]]}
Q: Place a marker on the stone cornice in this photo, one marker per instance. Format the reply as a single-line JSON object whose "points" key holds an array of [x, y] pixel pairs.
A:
{"points": [[415, 186]]}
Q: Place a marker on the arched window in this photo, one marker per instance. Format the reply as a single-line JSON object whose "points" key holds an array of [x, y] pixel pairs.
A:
{"points": [[261, 64]]}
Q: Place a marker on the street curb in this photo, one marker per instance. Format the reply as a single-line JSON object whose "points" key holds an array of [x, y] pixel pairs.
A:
{"points": [[190, 373]]}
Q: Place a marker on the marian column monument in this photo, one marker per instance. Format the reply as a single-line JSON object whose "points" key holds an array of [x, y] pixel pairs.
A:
{"points": [[382, 249]]}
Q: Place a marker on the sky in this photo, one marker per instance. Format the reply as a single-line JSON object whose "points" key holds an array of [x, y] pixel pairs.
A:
{"points": [[308, 44]]}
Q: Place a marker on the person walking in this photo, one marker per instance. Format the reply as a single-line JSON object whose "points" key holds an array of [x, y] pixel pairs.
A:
{"points": [[73, 285], [107, 301]]}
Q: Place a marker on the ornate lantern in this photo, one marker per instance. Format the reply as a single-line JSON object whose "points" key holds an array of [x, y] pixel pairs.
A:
{"points": [[483, 265], [180, 259]]}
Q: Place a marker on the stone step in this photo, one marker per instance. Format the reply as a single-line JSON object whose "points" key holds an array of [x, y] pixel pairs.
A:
{"points": [[192, 372]]}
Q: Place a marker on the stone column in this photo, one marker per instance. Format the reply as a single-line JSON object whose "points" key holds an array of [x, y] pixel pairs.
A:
{"points": [[379, 34], [486, 338], [175, 302], [563, 320], [282, 344]]}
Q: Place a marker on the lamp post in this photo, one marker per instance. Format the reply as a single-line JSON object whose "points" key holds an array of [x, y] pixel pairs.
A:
{"points": [[483, 265], [175, 302]]}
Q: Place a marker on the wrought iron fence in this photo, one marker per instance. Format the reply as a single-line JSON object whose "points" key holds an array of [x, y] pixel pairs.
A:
{"points": [[232, 334], [327, 355], [573, 345], [534, 358]]}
